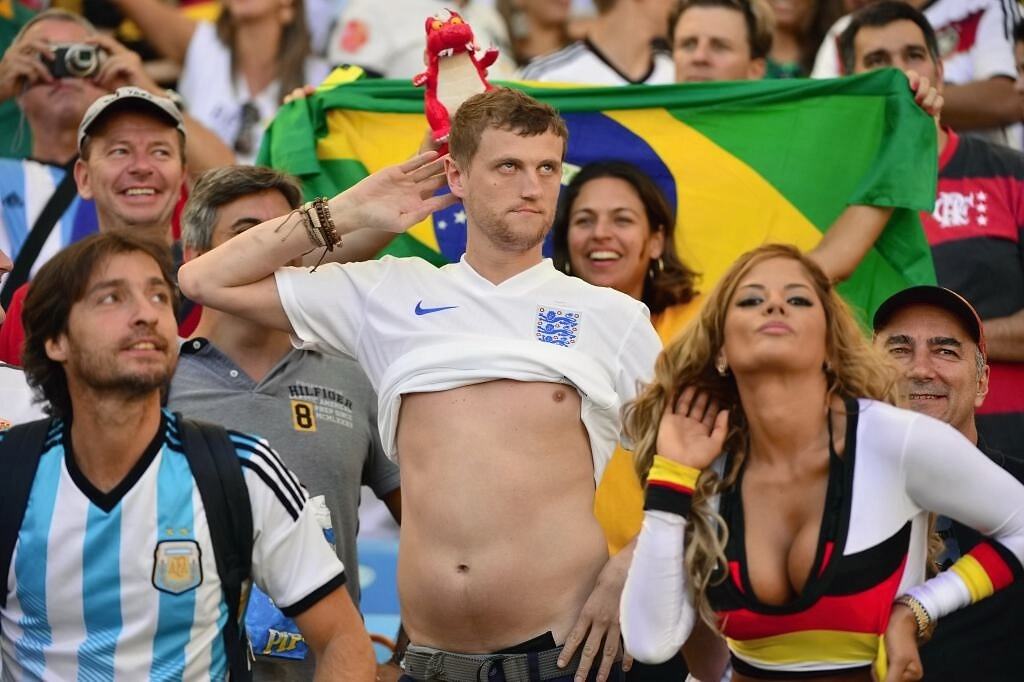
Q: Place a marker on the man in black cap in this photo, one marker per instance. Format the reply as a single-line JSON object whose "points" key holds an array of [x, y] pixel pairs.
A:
{"points": [[938, 339]]}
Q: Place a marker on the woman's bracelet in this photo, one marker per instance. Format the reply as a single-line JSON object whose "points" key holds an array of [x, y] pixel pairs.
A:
{"points": [[925, 623]]}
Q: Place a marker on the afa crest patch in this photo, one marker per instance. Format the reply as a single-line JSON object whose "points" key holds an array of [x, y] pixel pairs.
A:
{"points": [[557, 325], [177, 566]]}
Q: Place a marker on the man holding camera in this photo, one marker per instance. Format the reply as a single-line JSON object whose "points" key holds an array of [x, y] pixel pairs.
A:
{"points": [[56, 67]]}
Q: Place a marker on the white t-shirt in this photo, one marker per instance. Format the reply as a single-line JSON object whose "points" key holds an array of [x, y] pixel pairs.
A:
{"points": [[216, 98], [415, 328], [16, 406], [582, 62], [388, 38]]}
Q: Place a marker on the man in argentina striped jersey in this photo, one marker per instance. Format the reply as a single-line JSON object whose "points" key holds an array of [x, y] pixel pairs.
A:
{"points": [[113, 575]]}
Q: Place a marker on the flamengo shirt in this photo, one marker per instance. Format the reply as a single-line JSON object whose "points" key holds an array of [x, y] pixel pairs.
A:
{"points": [[975, 233], [415, 328], [124, 585]]}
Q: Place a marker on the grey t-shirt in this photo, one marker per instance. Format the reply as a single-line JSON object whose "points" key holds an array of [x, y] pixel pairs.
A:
{"points": [[320, 414]]}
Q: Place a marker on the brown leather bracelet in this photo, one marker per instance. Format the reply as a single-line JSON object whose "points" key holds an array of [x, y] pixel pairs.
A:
{"points": [[327, 228]]}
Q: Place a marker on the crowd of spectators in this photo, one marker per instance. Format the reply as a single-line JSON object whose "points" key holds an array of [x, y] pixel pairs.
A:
{"points": [[142, 120]]}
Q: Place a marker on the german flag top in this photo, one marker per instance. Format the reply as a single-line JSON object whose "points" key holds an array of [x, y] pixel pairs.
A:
{"points": [[896, 467]]}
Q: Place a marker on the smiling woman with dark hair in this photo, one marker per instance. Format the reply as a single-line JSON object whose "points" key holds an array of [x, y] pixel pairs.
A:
{"points": [[614, 228]]}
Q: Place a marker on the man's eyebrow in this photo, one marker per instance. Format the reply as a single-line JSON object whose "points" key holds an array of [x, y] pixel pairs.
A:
{"points": [[944, 341], [899, 340], [104, 284]]}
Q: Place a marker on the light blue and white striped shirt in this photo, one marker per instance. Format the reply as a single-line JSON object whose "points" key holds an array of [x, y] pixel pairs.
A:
{"points": [[123, 585]]}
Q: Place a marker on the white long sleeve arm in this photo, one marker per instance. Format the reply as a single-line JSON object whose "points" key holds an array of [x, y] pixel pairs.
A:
{"points": [[656, 615], [945, 473]]}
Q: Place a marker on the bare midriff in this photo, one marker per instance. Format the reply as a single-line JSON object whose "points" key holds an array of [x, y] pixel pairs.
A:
{"points": [[499, 543]]}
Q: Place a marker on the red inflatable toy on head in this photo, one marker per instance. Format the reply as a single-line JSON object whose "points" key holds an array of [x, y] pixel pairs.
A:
{"points": [[456, 70]]}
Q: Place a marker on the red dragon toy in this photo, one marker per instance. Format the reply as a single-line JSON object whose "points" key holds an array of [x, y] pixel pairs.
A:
{"points": [[454, 71]]}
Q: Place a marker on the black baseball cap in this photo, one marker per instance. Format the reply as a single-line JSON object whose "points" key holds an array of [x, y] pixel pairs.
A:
{"points": [[940, 297]]}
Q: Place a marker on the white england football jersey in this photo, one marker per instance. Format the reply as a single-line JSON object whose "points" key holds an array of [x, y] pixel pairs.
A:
{"points": [[415, 329], [123, 585]]}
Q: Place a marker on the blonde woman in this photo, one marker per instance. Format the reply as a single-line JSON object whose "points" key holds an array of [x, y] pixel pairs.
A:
{"points": [[787, 499]]}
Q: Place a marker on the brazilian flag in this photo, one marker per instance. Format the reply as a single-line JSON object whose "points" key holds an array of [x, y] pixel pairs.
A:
{"points": [[742, 163]]}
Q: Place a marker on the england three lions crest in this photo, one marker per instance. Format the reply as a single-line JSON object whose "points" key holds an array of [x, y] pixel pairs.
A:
{"points": [[177, 566], [557, 325]]}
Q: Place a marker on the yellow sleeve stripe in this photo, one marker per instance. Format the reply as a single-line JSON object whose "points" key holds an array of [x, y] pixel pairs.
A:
{"points": [[667, 471], [974, 576]]}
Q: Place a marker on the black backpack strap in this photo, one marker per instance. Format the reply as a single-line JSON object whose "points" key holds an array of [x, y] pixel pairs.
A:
{"points": [[218, 474], [55, 207], [20, 450]]}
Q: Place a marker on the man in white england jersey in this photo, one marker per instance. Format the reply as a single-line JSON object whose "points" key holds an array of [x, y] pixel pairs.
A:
{"points": [[500, 383], [115, 573]]}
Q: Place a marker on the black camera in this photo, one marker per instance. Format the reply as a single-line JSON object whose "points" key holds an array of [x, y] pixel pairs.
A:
{"points": [[75, 60]]}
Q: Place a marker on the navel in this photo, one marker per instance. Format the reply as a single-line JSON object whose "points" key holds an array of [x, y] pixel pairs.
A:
{"points": [[558, 396]]}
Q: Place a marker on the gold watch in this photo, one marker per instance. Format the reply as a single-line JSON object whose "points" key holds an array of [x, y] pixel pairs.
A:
{"points": [[925, 623]]}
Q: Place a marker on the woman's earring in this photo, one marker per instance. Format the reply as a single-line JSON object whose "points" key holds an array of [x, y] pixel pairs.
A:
{"points": [[722, 368], [655, 268]]}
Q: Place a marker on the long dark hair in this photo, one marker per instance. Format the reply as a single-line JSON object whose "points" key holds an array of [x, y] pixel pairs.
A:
{"points": [[668, 281], [58, 285], [291, 55]]}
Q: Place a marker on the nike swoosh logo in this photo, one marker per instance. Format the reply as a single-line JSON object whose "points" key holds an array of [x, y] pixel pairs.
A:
{"points": [[420, 310]]}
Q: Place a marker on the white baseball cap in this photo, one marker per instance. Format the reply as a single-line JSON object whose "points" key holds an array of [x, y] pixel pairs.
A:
{"points": [[129, 98]]}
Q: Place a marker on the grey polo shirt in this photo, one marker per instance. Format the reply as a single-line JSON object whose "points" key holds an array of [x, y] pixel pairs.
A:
{"points": [[319, 412]]}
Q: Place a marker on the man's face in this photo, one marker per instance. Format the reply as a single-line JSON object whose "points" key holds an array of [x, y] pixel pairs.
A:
{"points": [[61, 104], [900, 44], [134, 170], [239, 215], [121, 338], [938, 358], [5, 266], [711, 44], [510, 187]]}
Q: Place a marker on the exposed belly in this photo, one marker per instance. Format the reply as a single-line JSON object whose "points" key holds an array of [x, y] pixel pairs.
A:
{"points": [[457, 81], [499, 541]]}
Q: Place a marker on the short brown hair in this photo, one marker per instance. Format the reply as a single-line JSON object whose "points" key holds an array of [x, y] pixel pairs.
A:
{"points": [[60, 284], [505, 109], [757, 15]]}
